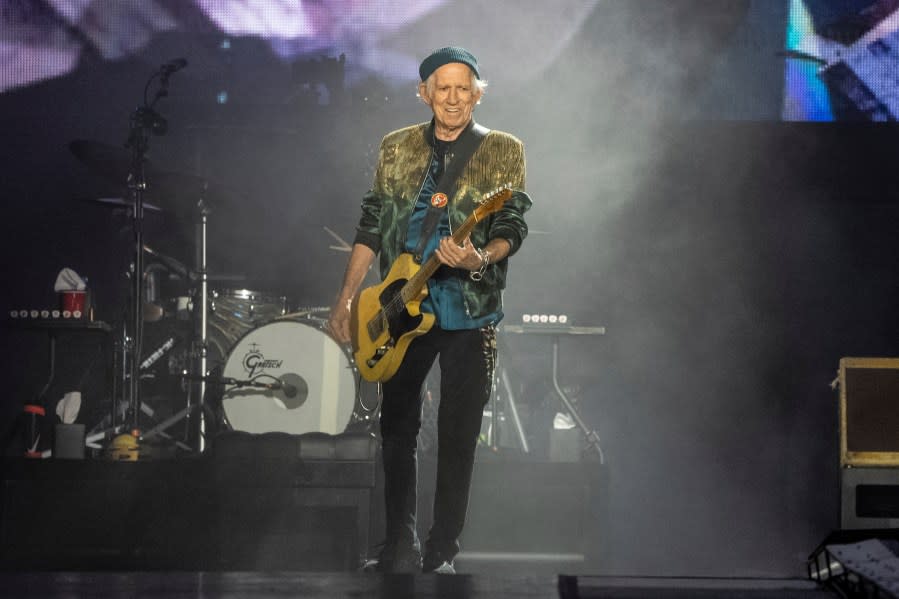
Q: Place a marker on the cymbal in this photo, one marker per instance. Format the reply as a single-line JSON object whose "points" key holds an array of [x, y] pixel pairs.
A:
{"points": [[114, 202], [181, 270], [169, 189], [108, 161]]}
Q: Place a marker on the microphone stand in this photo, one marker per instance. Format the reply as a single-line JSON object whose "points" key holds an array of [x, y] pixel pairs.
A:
{"points": [[143, 122], [226, 380]]}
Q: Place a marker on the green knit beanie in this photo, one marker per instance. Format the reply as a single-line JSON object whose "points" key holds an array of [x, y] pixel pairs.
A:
{"points": [[443, 56]]}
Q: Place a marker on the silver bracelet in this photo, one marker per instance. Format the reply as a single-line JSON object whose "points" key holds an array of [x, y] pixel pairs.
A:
{"points": [[477, 275]]}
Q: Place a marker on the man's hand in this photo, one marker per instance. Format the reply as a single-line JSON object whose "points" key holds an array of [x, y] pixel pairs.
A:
{"points": [[339, 321], [456, 256], [361, 259]]}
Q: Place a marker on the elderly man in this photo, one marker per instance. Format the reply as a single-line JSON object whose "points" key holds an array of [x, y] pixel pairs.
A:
{"points": [[414, 209]]}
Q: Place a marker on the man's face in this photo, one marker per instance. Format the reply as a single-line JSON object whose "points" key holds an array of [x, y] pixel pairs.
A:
{"points": [[452, 99]]}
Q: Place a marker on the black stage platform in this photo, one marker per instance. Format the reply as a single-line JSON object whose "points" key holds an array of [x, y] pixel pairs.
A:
{"points": [[253, 585], [278, 502], [278, 515]]}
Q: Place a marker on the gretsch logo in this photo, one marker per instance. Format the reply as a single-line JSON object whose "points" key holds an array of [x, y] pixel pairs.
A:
{"points": [[255, 363]]}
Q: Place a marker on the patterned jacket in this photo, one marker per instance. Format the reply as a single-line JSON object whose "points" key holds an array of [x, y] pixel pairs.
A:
{"points": [[402, 161]]}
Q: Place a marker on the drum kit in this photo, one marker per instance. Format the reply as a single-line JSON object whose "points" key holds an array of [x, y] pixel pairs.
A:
{"points": [[241, 359], [263, 364]]}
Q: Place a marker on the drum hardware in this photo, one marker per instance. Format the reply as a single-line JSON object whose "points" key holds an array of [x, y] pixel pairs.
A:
{"points": [[173, 265], [203, 211], [156, 355], [306, 312], [144, 181], [276, 384], [186, 413], [321, 378], [131, 167], [161, 428]]}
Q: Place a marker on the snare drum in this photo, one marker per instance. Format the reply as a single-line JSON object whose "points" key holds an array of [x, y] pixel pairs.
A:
{"points": [[235, 312], [319, 382]]}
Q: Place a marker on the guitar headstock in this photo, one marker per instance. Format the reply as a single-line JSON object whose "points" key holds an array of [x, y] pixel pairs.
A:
{"points": [[493, 201]]}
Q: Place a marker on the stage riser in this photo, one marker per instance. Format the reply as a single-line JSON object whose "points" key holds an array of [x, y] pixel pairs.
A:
{"points": [[529, 513], [184, 516], [282, 515]]}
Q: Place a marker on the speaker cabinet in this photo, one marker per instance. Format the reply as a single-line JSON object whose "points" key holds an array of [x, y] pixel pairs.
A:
{"points": [[869, 418], [869, 498], [869, 443]]}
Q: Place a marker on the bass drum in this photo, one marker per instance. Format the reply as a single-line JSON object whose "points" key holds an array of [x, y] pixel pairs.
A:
{"points": [[319, 384]]}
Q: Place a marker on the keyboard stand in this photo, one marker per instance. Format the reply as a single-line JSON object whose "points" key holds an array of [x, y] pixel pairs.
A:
{"points": [[556, 332]]}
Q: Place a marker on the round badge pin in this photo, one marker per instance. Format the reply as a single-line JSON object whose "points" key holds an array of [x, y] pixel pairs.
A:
{"points": [[439, 200]]}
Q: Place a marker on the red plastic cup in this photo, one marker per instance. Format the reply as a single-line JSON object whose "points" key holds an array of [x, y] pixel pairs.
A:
{"points": [[73, 301]]}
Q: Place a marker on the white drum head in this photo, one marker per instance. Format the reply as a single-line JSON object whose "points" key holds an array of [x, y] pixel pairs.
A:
{"points": [[320, 392]]}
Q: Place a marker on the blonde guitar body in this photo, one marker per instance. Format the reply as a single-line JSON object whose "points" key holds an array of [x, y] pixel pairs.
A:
{"points": [[388, 325], [386, 318]]}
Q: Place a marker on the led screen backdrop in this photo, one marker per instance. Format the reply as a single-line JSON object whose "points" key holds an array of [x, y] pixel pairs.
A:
{"points": [[845, 63], [840, 58], [383, 38]]}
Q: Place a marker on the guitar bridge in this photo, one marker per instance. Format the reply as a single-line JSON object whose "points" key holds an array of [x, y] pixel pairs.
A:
{"points": [[379, 353]]}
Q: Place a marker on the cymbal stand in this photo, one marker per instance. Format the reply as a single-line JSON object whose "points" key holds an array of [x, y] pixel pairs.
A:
{"points": [[204, 319], [196, 397]]}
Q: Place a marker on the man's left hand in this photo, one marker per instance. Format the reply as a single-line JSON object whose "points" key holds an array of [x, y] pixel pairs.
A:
{"points": [[456, 256]]}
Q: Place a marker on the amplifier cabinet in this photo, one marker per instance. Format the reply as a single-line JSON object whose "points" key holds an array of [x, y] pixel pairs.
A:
{"points": [[869, 412], [869, 498]]}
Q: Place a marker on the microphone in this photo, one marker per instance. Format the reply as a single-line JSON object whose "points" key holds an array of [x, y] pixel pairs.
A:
{"points": [[279, 385]]}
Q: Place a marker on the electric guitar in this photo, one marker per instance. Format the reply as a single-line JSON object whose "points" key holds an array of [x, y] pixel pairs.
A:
{"points": [[385, 318]]}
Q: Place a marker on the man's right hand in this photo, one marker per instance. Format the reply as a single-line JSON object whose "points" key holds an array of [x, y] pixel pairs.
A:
{"points": [[339, 321], [360, 261]]}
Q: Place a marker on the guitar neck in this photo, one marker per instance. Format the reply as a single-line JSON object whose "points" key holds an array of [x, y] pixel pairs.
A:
{"points": [[416, 282]]}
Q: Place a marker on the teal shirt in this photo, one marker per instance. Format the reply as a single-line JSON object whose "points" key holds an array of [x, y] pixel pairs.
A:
{"points": [[445, 299]]}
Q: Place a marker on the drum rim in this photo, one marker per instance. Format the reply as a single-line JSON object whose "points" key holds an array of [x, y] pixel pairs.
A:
{"points": [[246, 294], [319, 324]]}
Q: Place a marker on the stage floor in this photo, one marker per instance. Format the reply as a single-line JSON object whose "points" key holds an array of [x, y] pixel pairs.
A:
{"points": [[258, 585]]}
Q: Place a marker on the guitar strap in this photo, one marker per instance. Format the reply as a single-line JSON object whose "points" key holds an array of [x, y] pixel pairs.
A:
{"points": [[463, 151]]}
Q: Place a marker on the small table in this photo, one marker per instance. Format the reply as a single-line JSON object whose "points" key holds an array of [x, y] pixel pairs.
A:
{"points": [[53, 327]]}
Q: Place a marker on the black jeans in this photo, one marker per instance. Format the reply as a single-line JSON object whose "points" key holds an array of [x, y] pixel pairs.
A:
{"points": [[467, 360]]}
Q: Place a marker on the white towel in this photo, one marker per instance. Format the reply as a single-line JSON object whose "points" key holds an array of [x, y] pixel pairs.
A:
{"points": [[69, 280], [68, 407]]}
